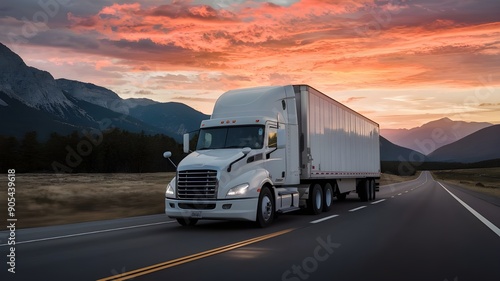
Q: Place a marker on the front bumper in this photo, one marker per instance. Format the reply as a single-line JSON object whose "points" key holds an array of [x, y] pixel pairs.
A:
{"points": [[240, 209]]}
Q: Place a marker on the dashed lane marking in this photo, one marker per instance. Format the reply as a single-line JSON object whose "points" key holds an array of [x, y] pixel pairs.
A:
{"points": [[376, 202], [325, 218], [358, 208]]}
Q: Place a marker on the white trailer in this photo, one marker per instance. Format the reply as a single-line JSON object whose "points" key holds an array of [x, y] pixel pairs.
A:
{"points": [[270, 150]]}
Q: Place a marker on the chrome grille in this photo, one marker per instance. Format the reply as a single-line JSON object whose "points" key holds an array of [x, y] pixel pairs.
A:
{"points": [[197, 184]]}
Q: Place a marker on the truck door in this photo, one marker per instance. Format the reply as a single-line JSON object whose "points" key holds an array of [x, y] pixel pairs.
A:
{"points": [[275, 161]]}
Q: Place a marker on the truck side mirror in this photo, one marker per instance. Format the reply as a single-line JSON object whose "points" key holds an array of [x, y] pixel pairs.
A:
{"points": [[281, 135], [167, 155], [185, 143]]}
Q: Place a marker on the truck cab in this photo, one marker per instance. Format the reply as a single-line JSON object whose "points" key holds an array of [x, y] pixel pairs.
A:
{"points": [[245, 166]]}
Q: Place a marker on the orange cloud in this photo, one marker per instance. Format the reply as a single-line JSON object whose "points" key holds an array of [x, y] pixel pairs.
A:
{"points": [[352, 99], [338, 46]]}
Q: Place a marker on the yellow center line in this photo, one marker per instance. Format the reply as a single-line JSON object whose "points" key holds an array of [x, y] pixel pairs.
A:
{"points": [[190, 258]]}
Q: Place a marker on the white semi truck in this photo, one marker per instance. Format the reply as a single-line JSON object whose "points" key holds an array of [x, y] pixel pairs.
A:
{"points": [[271, 150]]}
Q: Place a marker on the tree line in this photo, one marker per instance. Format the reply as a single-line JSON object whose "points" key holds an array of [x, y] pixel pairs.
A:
{"points": [[410, 168], [116, 151]]}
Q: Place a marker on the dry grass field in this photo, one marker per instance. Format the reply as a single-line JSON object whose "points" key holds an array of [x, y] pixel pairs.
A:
{"points": [[386, 179], [49, 199], [485, 180]]}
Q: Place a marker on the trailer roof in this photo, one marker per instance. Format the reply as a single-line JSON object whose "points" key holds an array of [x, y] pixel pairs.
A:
{"points": [[339, 103]]}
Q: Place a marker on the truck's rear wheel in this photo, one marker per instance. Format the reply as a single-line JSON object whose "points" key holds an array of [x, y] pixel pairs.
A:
{"points": [[372, 189], [327, 197], [265, 208], [187, 221], [315, 199], [364, 190]]}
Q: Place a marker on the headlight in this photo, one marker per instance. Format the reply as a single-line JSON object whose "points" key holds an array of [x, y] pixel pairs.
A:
{"points": [[238, 190], [170, 192]]}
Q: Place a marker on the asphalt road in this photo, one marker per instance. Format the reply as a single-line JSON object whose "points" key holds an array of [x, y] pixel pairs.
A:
{"points": [[417, 230]]}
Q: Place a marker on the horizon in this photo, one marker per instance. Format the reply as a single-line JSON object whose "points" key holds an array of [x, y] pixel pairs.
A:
{"points": [[400, 63]]}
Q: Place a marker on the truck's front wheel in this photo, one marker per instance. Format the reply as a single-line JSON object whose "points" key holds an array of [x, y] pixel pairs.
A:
{"points": [[265, 208]]}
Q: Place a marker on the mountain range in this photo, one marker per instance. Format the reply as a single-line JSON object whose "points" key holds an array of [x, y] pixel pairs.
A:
{"points": [[32, 100], [433, 135], [392, 152]]}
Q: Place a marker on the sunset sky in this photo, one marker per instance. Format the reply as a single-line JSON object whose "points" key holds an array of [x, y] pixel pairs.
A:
{"points": [[402, 63]]}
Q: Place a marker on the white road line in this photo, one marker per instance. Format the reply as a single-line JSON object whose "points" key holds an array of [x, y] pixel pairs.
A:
{"points": [[392, 196], [376, 202], [325, 218], [406, 191], [400, 194], [87, 233], [358, 208], [493, 227]]}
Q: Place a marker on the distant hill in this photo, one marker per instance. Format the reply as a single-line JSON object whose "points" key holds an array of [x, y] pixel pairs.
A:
{"points": [[480, 146], [433, 135], [133, 102], [173, 118], [399, 160], [392, 152]]}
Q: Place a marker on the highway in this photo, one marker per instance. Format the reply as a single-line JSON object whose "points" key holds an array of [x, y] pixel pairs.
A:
{"points": [[416, 230]]}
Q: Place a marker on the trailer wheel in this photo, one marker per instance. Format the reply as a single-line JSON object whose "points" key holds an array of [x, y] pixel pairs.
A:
{"points": [[315, 199], [364, 190], [327, 197], [372, 189], [187, 221], [265, 208]]}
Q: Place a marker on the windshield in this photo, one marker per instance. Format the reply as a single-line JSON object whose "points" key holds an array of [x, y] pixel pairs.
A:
{"points": [[231, 137]]}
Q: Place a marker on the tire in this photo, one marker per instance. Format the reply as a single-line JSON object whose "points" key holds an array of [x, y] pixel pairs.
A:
{"points": [[369, 187], [315, 199], [265, 208], [364, 191], [372, 189], [187, 221], [327, 197]]}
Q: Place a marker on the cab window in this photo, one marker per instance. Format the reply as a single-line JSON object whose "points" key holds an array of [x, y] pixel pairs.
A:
{"points": [[272, 137]]}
